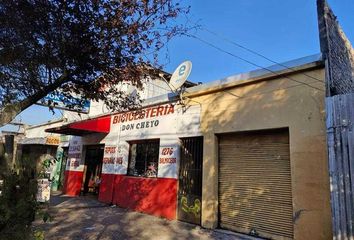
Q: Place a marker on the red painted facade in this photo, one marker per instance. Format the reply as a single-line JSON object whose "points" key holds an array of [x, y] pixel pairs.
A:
{"points": [[73, 182], [155, 196], [106, 188]]}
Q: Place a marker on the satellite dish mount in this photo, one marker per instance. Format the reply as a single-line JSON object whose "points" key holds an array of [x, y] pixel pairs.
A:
{"points": [[179, 77]]}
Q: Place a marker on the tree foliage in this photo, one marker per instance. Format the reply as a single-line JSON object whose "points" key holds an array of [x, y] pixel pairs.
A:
{"points": [[82, 47], [17, 202]]}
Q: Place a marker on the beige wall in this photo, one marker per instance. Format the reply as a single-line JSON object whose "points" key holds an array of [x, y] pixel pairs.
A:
{"points": [[38, 131], [267, 104]]}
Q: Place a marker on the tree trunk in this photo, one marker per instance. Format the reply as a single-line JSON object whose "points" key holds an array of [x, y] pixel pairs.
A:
{"points": [[10, 111]]}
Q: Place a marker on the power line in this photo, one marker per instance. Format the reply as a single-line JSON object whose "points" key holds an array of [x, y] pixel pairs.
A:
{"points": [[243, 96], [252, 63], [255, 53], [278, 89]]}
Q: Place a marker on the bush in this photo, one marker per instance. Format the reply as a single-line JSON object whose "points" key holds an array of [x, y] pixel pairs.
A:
{"points": [[18, 203]]}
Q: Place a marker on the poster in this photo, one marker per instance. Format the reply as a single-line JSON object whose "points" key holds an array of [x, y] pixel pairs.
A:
{"points": [[109, 159], [168, 159], [43, 191], [75, 155]]}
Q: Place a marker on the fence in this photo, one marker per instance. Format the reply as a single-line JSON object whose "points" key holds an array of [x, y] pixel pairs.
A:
{"points": [[340, 137]]}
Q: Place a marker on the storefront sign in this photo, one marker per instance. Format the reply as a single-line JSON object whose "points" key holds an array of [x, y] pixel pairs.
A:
{"points": [[115, 159], [75, 155], [164, 122], [146, 122], [168, 159], [144, 114], [43, 191], [121, 163], [69, 103], [143, 119], [109, 159], [52, 140]]}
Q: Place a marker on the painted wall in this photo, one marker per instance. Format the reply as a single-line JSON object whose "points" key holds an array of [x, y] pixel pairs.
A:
{"points": [[150, 88], [156, 196], [38, 131], [74, 167], [72, 183], [279, 102]]}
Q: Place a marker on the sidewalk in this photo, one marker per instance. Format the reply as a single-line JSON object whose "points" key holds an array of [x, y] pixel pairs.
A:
{"points": [[86, 218]]}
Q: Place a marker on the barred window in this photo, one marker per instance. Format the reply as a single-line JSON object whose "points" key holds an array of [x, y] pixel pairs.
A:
{"points": [[143, 158]]}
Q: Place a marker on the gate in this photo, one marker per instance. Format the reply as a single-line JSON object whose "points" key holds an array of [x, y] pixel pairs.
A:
{"points": [[190, 180], [255, 194]]}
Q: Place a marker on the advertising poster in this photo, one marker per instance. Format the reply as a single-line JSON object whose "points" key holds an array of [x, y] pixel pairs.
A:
{"points": [[43, 191], [168, 159], [109, 159], [75, 155]]}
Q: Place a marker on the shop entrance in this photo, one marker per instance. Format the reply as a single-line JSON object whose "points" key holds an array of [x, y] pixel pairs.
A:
{"points": [[190, 180], [93, 168]]}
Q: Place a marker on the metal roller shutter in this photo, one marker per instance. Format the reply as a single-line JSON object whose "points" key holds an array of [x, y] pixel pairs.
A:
{"points": [[255, 184]]}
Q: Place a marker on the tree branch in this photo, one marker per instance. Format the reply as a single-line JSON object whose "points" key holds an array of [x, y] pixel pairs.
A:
{"points": [[10, 111]]}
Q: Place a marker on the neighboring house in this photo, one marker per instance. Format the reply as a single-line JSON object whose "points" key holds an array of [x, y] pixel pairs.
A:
{"points": [[37, 146], [8, 143]]}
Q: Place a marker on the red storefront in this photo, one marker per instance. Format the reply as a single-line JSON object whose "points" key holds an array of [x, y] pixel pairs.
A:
{"points": [[141, 152]]}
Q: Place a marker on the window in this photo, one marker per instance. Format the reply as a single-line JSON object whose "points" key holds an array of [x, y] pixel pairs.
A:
{"points": [[143, 158]]}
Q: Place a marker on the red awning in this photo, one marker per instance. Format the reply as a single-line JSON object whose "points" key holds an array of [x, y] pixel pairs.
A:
{"points": [[96, 125]]}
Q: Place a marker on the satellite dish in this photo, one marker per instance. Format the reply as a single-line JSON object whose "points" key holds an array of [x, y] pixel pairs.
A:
{"points": [[180, 75]]}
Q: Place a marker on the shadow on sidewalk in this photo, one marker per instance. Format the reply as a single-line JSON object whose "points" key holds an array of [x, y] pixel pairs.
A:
{"points": [[85, 218], [60, 200], [57, 198]]}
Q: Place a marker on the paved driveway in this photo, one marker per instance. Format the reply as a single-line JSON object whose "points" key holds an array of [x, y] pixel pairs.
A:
{"points": [[86, 218]]}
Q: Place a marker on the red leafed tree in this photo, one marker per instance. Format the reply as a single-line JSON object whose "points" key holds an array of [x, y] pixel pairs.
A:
{"points": [[81, 47]]}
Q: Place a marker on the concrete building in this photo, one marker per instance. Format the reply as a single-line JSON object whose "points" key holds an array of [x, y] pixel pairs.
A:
{"points": [[265, 165], [246, 153], [34, 144]]}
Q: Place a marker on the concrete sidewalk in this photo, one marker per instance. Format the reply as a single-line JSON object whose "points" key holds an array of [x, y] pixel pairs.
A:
{"points": [[86, 218]]}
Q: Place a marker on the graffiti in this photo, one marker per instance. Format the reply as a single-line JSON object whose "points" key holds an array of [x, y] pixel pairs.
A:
{"points": [[195, 209]]}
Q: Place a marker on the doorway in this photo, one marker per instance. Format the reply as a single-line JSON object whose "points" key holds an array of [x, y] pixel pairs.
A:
{"points": [[93, 169], [190, 180]]}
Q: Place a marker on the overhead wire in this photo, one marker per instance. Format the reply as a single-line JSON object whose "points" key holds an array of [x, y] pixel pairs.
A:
{"points": [[243, 96], [255, 52], [249, 62], [252, 63]]}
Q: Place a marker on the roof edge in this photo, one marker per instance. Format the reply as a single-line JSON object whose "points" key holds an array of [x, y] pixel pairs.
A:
{"points": [[46, 123], [277, 70]]}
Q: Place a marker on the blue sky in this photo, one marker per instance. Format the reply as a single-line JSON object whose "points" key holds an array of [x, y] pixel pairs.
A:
{"points": [[279, 29]]}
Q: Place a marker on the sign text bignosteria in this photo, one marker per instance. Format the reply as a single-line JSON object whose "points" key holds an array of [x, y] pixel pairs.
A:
{"points": [[149, 115]]}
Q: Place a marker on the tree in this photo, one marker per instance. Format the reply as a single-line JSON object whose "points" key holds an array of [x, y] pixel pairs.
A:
{"points": [[80, 47]]}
